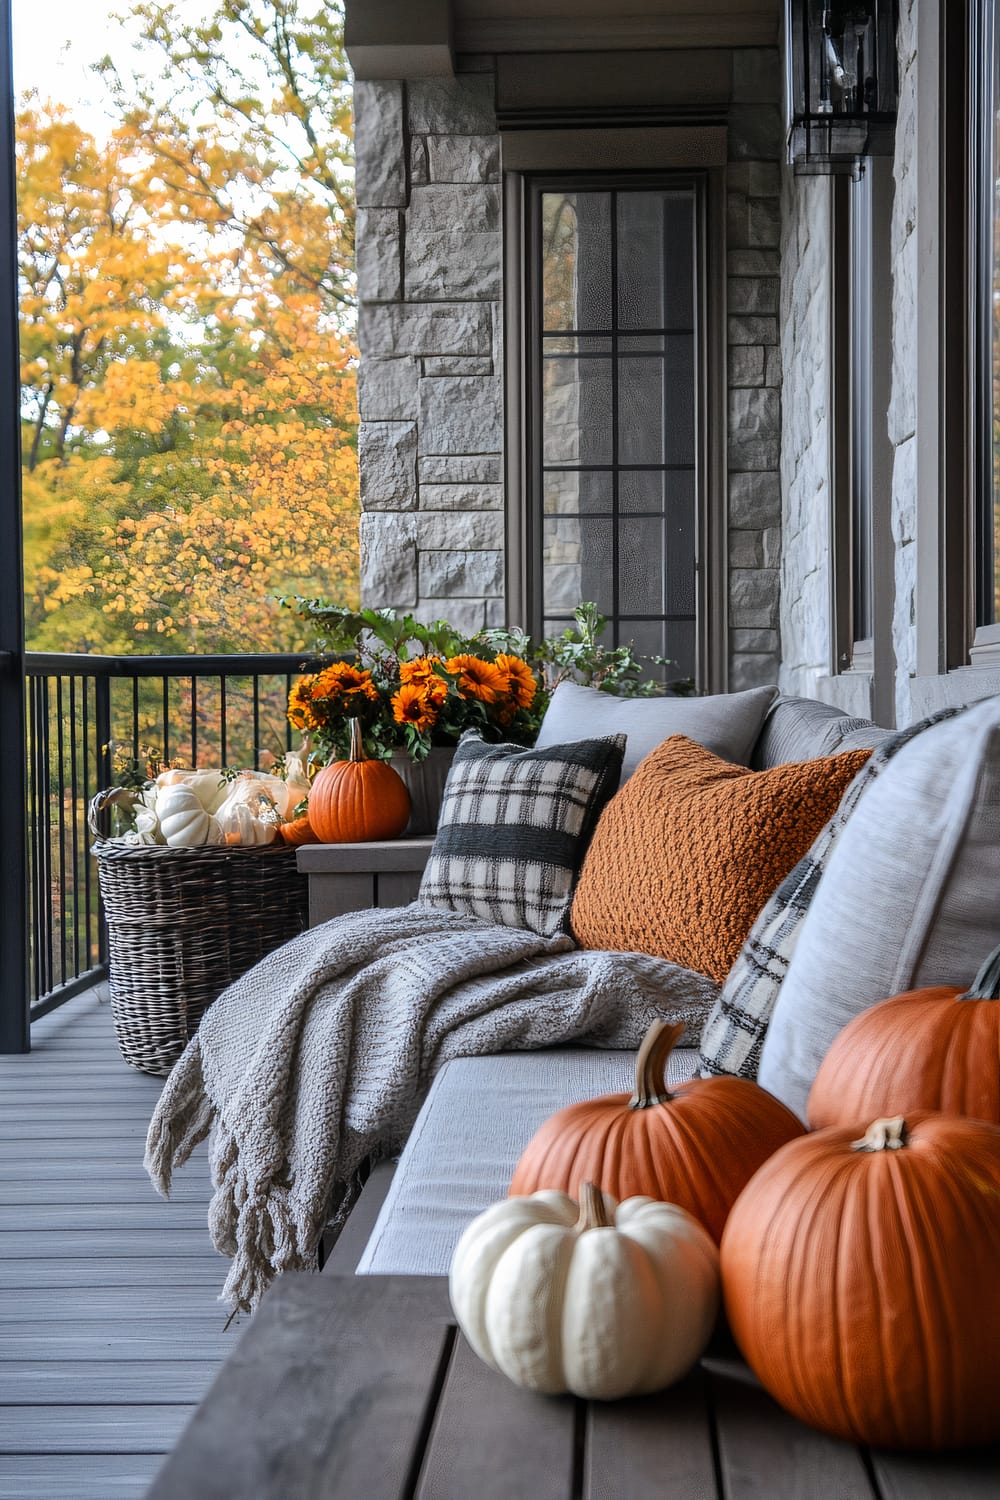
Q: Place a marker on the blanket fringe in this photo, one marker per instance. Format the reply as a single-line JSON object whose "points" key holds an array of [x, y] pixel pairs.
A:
{"points": [[181, 1120]]}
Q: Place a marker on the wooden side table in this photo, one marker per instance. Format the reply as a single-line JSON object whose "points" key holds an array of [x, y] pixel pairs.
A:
{"points": [[354, 877], [361, 1388]]}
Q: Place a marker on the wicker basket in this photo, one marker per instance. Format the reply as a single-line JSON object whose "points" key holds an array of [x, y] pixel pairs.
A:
{"points": [[182, 924]]}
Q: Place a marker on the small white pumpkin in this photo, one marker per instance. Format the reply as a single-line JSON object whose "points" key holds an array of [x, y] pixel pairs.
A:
{"points": [[183, 819], [599, 1299], [210, 787], [240, 825]]}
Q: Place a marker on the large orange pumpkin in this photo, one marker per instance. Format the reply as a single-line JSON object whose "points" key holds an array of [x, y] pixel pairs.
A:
{"points": [[354, 801], [860, 1281], [696, 1146], [935, 1049]]}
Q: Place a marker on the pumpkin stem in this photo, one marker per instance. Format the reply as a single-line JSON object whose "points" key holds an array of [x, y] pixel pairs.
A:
{"points": [[883, 1135], [651, 1064], [357, 750], [593, 1213], [986, 985]]}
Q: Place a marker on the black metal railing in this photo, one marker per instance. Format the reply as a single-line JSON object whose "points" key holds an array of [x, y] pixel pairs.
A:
{"points": [[93, 719]]}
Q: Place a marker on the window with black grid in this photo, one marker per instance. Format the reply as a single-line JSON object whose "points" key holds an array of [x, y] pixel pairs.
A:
{"points": [[614, 351]]}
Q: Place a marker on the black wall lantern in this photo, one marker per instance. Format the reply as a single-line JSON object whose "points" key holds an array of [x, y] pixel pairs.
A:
{"points": [[842, 82]]}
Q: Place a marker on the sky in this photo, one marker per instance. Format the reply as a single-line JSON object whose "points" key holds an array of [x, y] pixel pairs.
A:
{"points": [[54, 43]]}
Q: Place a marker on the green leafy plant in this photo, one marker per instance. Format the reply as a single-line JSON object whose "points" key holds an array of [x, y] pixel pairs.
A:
{"points": [[415, 685]]}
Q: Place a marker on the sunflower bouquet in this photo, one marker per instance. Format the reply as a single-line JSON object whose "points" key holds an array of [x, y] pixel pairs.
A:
{"points": [[411, 686]]}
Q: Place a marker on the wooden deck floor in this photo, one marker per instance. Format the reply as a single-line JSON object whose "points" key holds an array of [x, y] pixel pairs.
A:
{"points": [[110, 1331]]}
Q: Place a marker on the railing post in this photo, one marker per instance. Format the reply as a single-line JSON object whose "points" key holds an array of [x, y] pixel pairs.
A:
{"points": [[15, 1031], [102, 732]]}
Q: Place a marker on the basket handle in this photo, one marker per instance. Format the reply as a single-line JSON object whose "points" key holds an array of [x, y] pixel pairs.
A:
{"points": [[121, 796]]}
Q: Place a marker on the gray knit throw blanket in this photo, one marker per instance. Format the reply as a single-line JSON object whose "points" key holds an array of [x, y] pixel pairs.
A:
{"points": [[321, 1055]]}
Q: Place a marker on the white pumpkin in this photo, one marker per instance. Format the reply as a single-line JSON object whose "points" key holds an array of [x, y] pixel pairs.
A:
{"points": [[240, 826], [183, 819], [599, 1299], [210, 787]]}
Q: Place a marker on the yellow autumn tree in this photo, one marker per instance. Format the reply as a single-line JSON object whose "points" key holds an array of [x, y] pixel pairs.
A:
{"points": [[188, 378]]}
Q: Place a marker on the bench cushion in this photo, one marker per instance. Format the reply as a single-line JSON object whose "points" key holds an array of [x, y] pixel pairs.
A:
{"points": [[480, 1114]]}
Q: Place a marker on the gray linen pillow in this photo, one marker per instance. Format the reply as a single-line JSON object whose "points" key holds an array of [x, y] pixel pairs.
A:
{"points": [[910, 896], [797, 729], [726, 723]]}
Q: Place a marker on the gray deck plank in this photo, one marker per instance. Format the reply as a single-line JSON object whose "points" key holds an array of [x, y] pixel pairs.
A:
{"points": [[110, 1326], [58, 1382], [934, 1476], [71, 1477], [92, 1429]]}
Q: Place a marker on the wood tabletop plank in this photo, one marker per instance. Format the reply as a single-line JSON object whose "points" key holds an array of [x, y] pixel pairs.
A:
{"points": [[656, 1445], [972, 1475], [491, 1439], [764, 1451], [325, 1395]]}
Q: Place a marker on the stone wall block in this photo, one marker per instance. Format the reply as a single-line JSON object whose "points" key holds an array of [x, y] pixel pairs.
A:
{"points": [[757, 294], [753, 598], [458, 364], [737, 219], [754, 500], [754, 429], [387, 462], [772, 366], [467, 616], [379, 145], [755, 642], [753, 262], [425, 329], [379, 254], [461, 575], [460, 530], [388, 562], [464, 158], [453, 242], [459, 469], [496, 614], [765, 222], [387, 389], [460, 414], [420, 171], [748, 671], [771, 546], [746, 365], [752, 330], [756, 132], [461, 496], [452, 106], [746, 549]]}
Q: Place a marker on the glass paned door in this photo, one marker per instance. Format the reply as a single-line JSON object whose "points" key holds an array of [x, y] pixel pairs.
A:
{"points": [[615, 354]]}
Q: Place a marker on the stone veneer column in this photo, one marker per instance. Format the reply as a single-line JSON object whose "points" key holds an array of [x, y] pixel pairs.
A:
{"points": [[753, 232], [430, 390]]}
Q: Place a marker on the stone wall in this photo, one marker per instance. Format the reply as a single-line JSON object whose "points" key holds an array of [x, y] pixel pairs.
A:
{"points": [[430, 392], [753, 232], [805, 435], [430, 399], [903, 402]]}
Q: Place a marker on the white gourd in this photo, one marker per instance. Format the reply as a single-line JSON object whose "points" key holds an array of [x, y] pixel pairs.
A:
{"points": [[208, 786], [183, 819], [599, 1299]]}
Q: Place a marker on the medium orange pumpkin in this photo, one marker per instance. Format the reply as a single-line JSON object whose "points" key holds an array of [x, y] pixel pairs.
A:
{"points": [[696, 1146], [935, 1049], [354, 801], [298, 831], [860, 1281]]}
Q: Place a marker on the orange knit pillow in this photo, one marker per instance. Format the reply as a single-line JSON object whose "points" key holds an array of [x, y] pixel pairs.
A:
{"points": [[687, 853]]}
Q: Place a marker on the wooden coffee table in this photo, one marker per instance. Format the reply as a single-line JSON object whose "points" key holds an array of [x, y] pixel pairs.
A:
{"points": [[361, 1388]]}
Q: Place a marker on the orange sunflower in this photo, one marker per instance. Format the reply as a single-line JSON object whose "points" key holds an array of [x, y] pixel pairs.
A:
{"points": [[477, 678], [521, 684], [300, 714], [414, 705], [419, 670], [341, 679]]}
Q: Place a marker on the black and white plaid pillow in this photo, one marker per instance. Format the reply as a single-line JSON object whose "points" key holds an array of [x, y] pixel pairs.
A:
{"points": [[514, 827]]}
